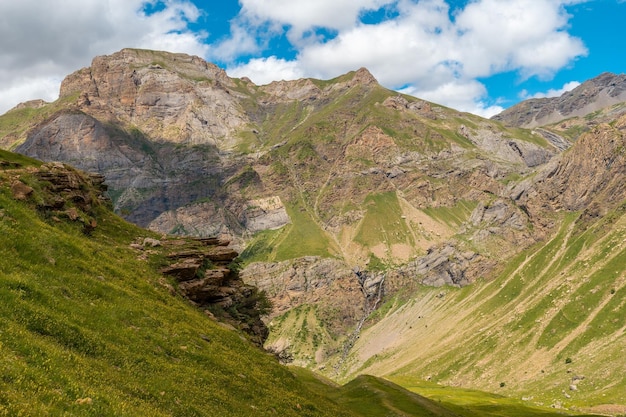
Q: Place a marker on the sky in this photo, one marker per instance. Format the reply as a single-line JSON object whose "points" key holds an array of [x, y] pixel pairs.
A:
{"points": [[479, 56]]}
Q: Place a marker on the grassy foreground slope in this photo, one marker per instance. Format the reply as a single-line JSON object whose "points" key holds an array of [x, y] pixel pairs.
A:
{"points": [[87, 328], [550, 328]]}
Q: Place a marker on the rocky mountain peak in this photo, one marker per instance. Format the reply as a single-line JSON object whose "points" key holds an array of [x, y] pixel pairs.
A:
{"points": [[363, 76], [134, 63]]}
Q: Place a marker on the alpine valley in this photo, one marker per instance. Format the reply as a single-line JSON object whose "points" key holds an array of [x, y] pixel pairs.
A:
{"points": [[433, 262]]}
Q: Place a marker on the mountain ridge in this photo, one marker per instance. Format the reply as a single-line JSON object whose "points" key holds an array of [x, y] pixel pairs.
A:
{"points": [[595, 94]]}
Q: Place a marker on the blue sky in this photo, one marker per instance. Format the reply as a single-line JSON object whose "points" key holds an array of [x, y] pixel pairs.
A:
{"points": [[473, 55]]}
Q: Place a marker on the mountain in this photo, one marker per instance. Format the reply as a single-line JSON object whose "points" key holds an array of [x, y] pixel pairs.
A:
{"points": [[549, 327], [310, 178], [95, 323], [593, 95], [393, 236]]}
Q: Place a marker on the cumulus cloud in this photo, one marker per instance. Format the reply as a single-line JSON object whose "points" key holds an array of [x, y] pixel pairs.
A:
{"points": [[265, 70], [523, 35], [551, 92], [303, 15], [41, 42]]}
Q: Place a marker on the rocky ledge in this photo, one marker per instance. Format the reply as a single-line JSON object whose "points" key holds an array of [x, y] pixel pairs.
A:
{"points": [[206, 272], [65, 193]]}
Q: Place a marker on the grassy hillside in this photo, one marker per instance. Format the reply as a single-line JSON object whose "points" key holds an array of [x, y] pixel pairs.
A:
{"points": [[550, 328], [371, 396], [88, 328]]}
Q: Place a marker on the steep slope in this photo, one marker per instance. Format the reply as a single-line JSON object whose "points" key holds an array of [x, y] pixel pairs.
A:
{"points": [[593, 95], [90, 328], [550, 328]]}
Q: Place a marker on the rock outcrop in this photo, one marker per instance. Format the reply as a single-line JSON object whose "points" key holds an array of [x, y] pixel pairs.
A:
{"points": [[590, 177], [207, 274], [64, 193]]}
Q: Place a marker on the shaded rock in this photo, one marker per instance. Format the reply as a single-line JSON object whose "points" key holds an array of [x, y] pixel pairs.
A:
{"points": [[200, 266], [183, 271], [21, 191], [220, 253]]}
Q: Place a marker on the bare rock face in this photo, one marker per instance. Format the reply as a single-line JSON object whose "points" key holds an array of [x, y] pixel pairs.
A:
{"points": [[509, 149], [204, 271], [173, 98], [265, 214], [445, 265], [147, 178], [591, 177], [92, 147], [304, 281]]}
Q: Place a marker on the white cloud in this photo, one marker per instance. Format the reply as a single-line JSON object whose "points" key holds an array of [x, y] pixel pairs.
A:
{"points": [[265, 70], [42, 42], [523, 35], [551, 92], [465, 96], [302, 15]]}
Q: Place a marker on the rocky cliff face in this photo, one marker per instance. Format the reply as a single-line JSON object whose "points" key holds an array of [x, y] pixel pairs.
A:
{"points": [[590, 177], [593, 95]]}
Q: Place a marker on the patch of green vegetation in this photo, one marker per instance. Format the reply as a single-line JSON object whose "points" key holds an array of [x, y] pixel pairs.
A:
{"points": [[371, 396], [16, 121], [305, 330], [474, 403], [248, 142], [527, 135], [376, 264], [303, 237], [575, 131], [586, 299], [593, 115], [261, 246], [453, 136], [10, 160], [452, 216], [383, 222]]}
